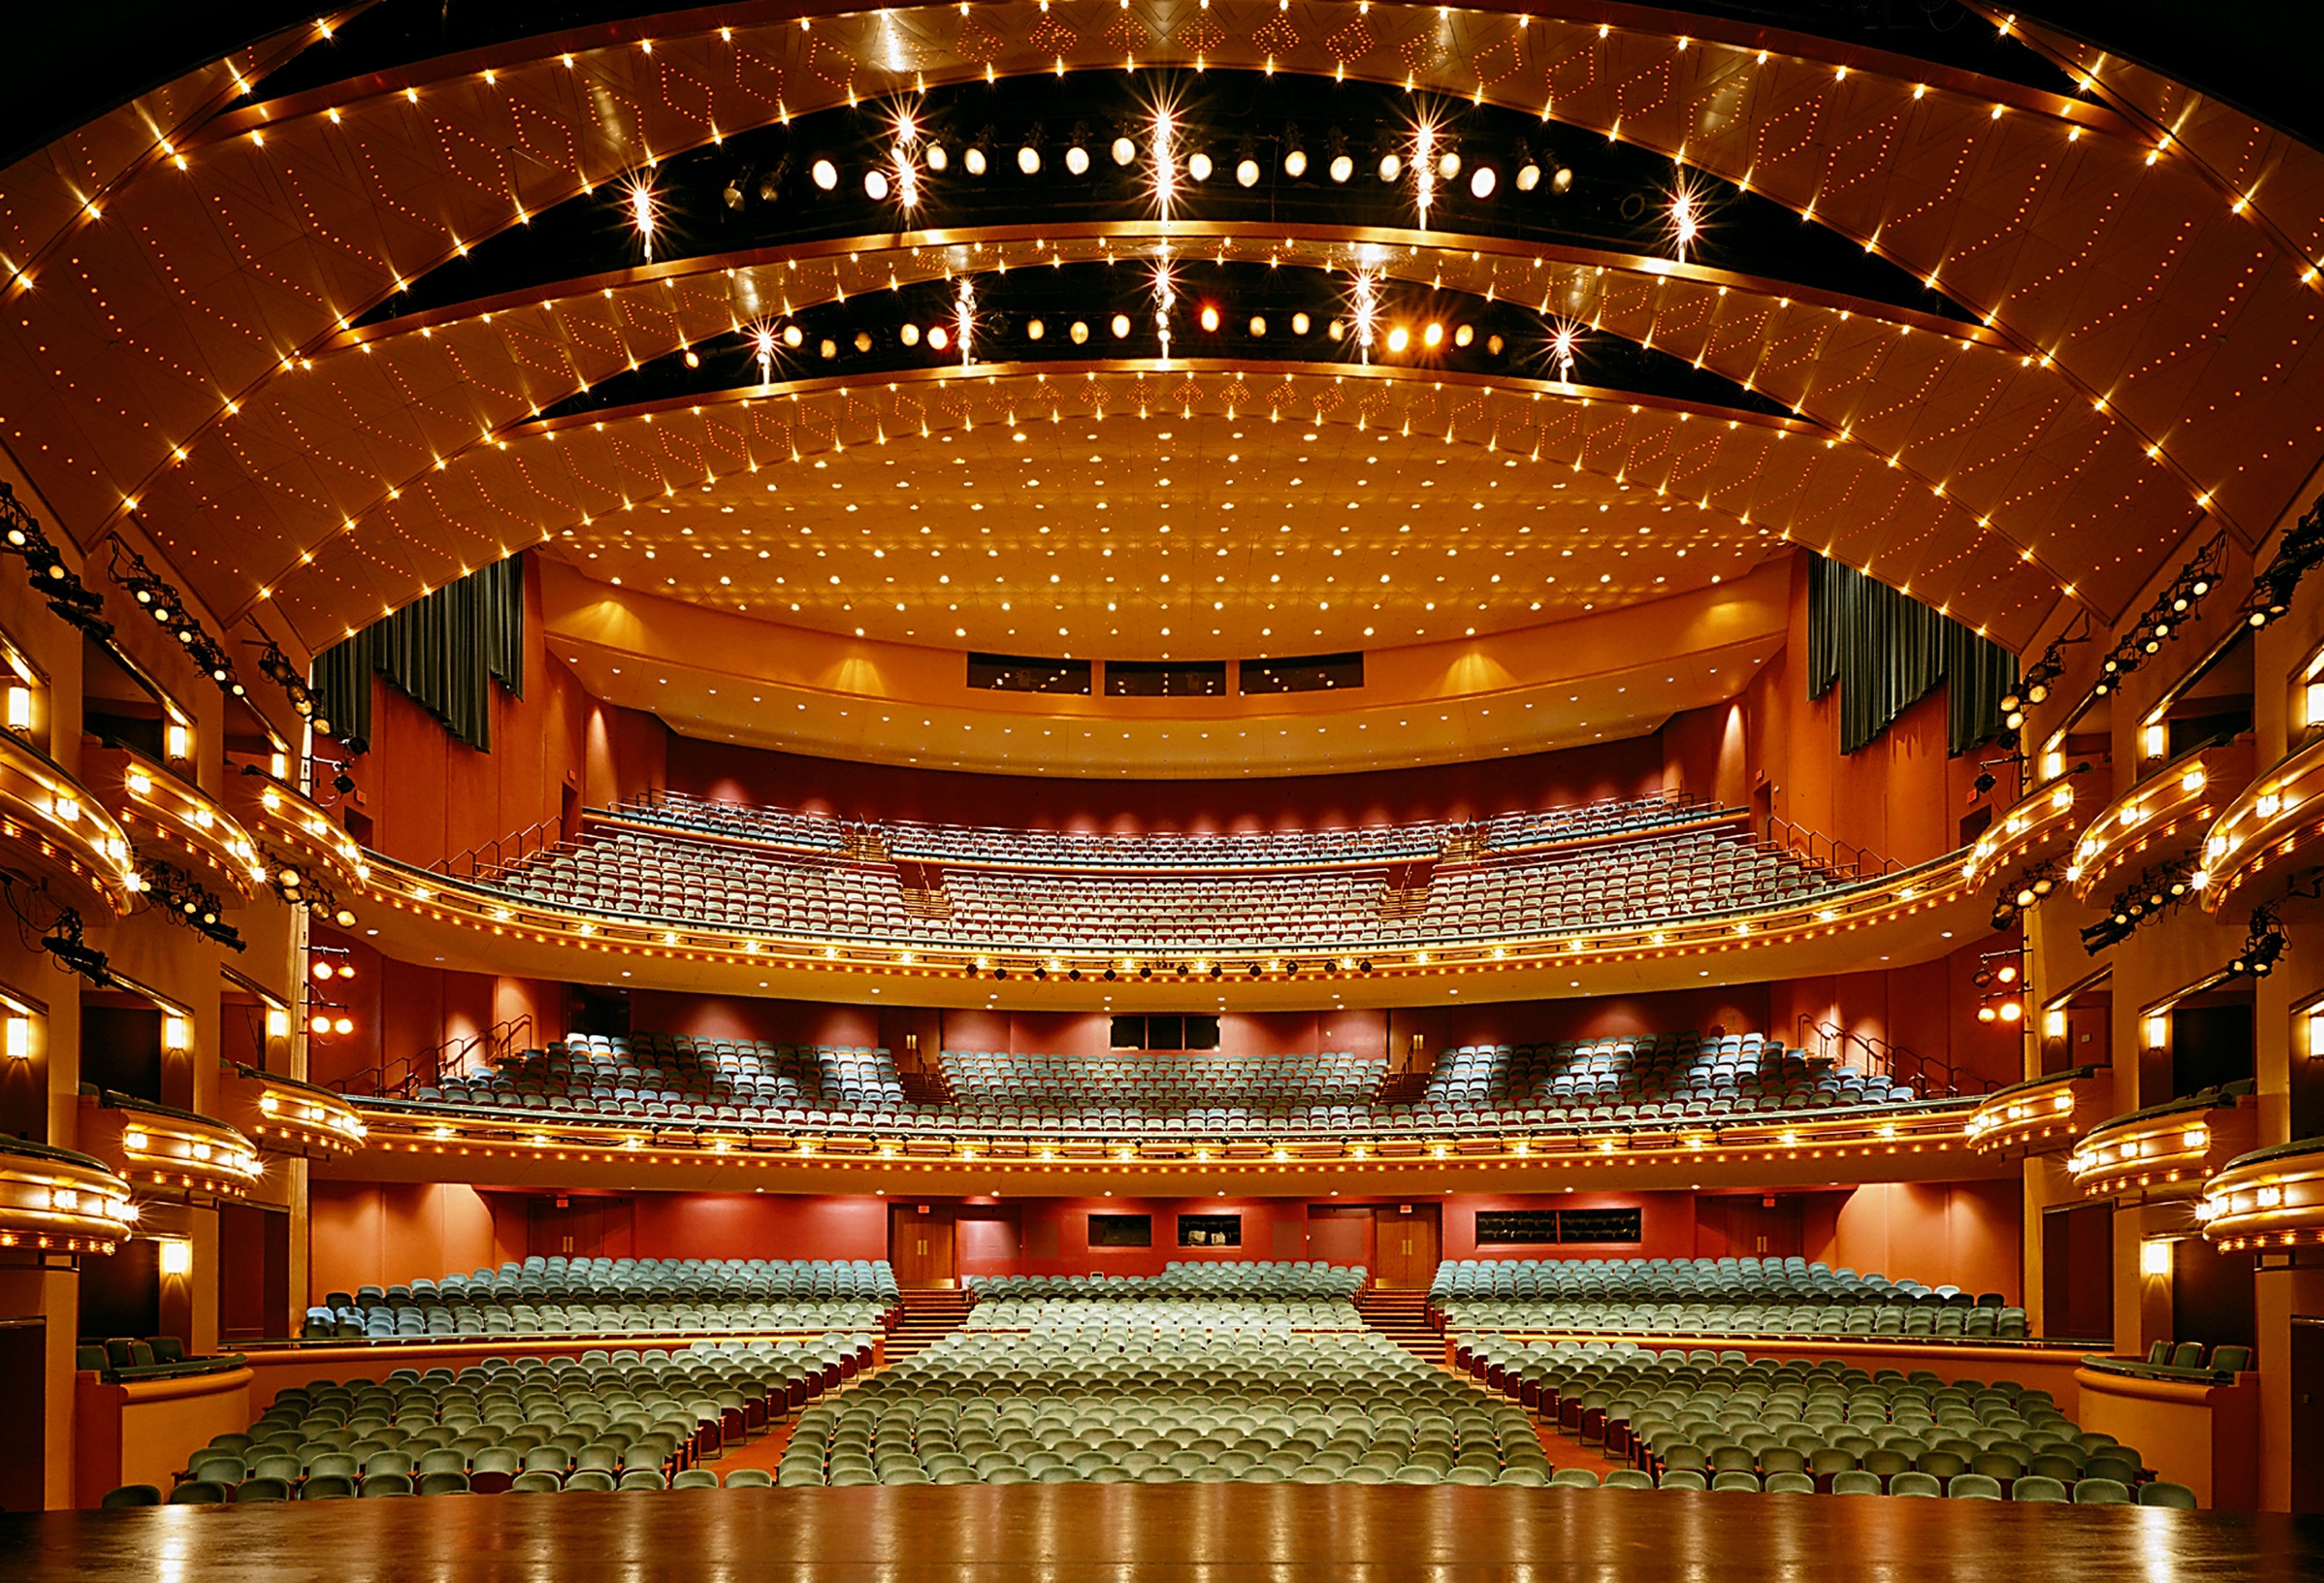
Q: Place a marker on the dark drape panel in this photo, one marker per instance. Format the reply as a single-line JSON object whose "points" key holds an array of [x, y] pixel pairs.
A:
{"points": [[444, 651], [1886, 651]]}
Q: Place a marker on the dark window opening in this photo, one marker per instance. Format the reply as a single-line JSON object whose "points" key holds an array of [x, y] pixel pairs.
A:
{"points": [[1165, 678], [1304, 673], [1169, 1031], [1121, 1231], [1506, 1226], [1018, 673], [1210, 1231]]}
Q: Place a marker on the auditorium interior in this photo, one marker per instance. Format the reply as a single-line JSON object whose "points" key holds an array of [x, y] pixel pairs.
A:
{"points": [[512, 1059]]}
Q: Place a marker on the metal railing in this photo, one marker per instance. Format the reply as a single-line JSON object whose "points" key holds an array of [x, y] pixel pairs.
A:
{"points": [[1840, 859], [1930, 1079], [490, 859], [399, 1078]]}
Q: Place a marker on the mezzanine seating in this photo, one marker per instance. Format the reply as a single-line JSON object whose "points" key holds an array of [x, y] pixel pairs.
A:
{"points": [[1650, 1078], [555, 1296], [626, 1419], [1728, 1296], [1156, 1083], [1259, 1279], [1695, 1416]]}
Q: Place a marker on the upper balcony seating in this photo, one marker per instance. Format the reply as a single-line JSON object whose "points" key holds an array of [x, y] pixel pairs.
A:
{"points": [[1728, 1296], [659, 1078], [553, 1295], [1259, 1279], [1041, 892], [1650, 1078], [970, 844]]}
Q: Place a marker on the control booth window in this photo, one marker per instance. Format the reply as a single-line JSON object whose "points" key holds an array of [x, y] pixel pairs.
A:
{"points": [[1210, 1231], [1121, 1231], [1506, 1226], [1195, 1031]]}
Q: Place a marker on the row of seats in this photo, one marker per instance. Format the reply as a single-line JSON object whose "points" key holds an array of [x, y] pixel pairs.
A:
{"points": [[857, 896], [1733, 1279], [609, 1419], [998, 1078], [1171, 1405], [1942, 1324], [1111, 1319], [1650, 1078], [552, 1296], [967, 844], [1284, 1281], [1720, 1417]]}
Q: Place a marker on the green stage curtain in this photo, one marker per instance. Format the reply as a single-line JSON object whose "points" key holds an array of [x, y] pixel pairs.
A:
{"points": [[1886, 651], [443, 651]]}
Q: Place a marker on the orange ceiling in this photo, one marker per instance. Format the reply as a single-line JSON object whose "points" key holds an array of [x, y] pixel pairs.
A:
{"points": [[2147, 355]]}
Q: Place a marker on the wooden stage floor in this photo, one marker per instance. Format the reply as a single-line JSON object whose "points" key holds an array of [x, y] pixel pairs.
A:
{"points": [[1114, 1534]]}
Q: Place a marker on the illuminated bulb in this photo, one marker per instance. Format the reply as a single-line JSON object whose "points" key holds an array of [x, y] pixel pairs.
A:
{"points": [[1125, 151], [1295, 164], [1247, 172], [1080, 332], [974, 160], [938, 339], [343, 1025], [1432, 336], [875, 185], [1199, 167], [1077, 160], [910, 335], [1299, 324], [825, 174], [323, 970], [1392, 166], [19, 1038], [2011, 1011], [1399, 339], [1465, 335], [1120, 325], [1343, 167], [1210, 318], [1257, 327], [320, 1023], [1529, 176], [1035, 329], [1029, 159]]}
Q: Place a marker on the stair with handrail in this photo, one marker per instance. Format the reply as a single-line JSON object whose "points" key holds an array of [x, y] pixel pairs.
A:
{"points": [[1930, 1079], [398, 1079]]}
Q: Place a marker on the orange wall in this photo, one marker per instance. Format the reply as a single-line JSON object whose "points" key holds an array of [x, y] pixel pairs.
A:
{"points": [[376, 1233], [1929, 1008], [1967, 1234]]}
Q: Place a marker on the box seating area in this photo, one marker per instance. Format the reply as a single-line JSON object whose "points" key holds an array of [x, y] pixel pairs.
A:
{"points": [[970, 844], [1692, 1418], [1651, 1078], [1108, 1403], [555, 1296], [1710, 1297], [1265, 1280], [626, 1420], [1161, 1084], [658, 1078], [1034, 891]]}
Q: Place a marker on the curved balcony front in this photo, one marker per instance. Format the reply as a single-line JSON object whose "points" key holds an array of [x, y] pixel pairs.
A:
{"points": [[54, 1200], [55, 833], [167, 818], [293, 829], [2029, 827], [2270, 1197], [2167, 1151], [287, 1117], [2043, 1116], [2165, 816], [2265, 827], [164, 1152]]}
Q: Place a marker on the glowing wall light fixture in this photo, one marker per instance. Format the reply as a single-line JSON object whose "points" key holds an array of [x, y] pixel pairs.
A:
{"points": [[2315, 1033], [2158, 1029], [20, 709], [2155, 1257], [177, 1257], [278, 1023], [2053, 1022], [2158, 739], [177, 1034], [178, 742], [18, 1038], [2314, 696]]}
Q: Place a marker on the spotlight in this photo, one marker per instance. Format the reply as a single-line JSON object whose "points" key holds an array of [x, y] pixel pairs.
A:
{"points": [[1985, 1014], [794, 336], [1399, 339], [1449, 166], [1528, 171], [974, 160], [1983, 783], [2008, 973], [1432, 336], [1299, 323], [1247, 171], [2011, 1011], [862, 340], [875, 185], [1392, 166], [1199, 167], [1257, 327], [1147, 971], [1120, 325], [320, 1023], [825, 174], [1343, 167], [1035, 329], [1029, 159], [1077, 160], [733, 195], [910, 335], [1125, 151], [939, 340], [1562, 181], [938, 160], [1982, 979], [1080, 332], [343, 1025], [1465, 335], [1210, 318], [323, 970]]}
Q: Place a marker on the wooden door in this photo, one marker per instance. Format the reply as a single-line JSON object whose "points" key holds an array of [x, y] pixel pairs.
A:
{"points": [[920, 1245], [1407, 1238]]}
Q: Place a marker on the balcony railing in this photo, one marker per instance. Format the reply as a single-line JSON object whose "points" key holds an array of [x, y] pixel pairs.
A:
{"points": [[2043, 1116], [166, 1152], [54, 827], [2165, 816], [54, 1200], [2166, 1151], [168, 818], [2272, 1197], [287, 1117]]}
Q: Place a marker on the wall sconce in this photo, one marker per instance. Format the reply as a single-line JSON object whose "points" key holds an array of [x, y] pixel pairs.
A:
{"points": [[2315, 1030], [177, 1034], [20, 709], [2158, 1029], [278, 1023], [19, 1037], [2158, 740], [279, 766], [2155, 1258], [2315, 703], [178, 742], [2053, 764], [177, 1258], [2053, 1022]]}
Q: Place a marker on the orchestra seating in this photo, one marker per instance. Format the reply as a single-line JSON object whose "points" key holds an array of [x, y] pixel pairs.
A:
{"points": [[812, 877], [1689, 1418], [550, 1295], [659, 1078], [1256, 1280], [625, 1418], [1726, 1296]]}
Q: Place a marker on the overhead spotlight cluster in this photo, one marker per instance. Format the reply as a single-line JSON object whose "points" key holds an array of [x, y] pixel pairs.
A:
{"points": [[2000, 981], [276, 667], [2153, 893], [2033, 687], [167, 606], [2022, 893], [301, 889], [51, 578], [2264, 942], [2172, 609], [2299, 552], [176, 894], [67, 943]]}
